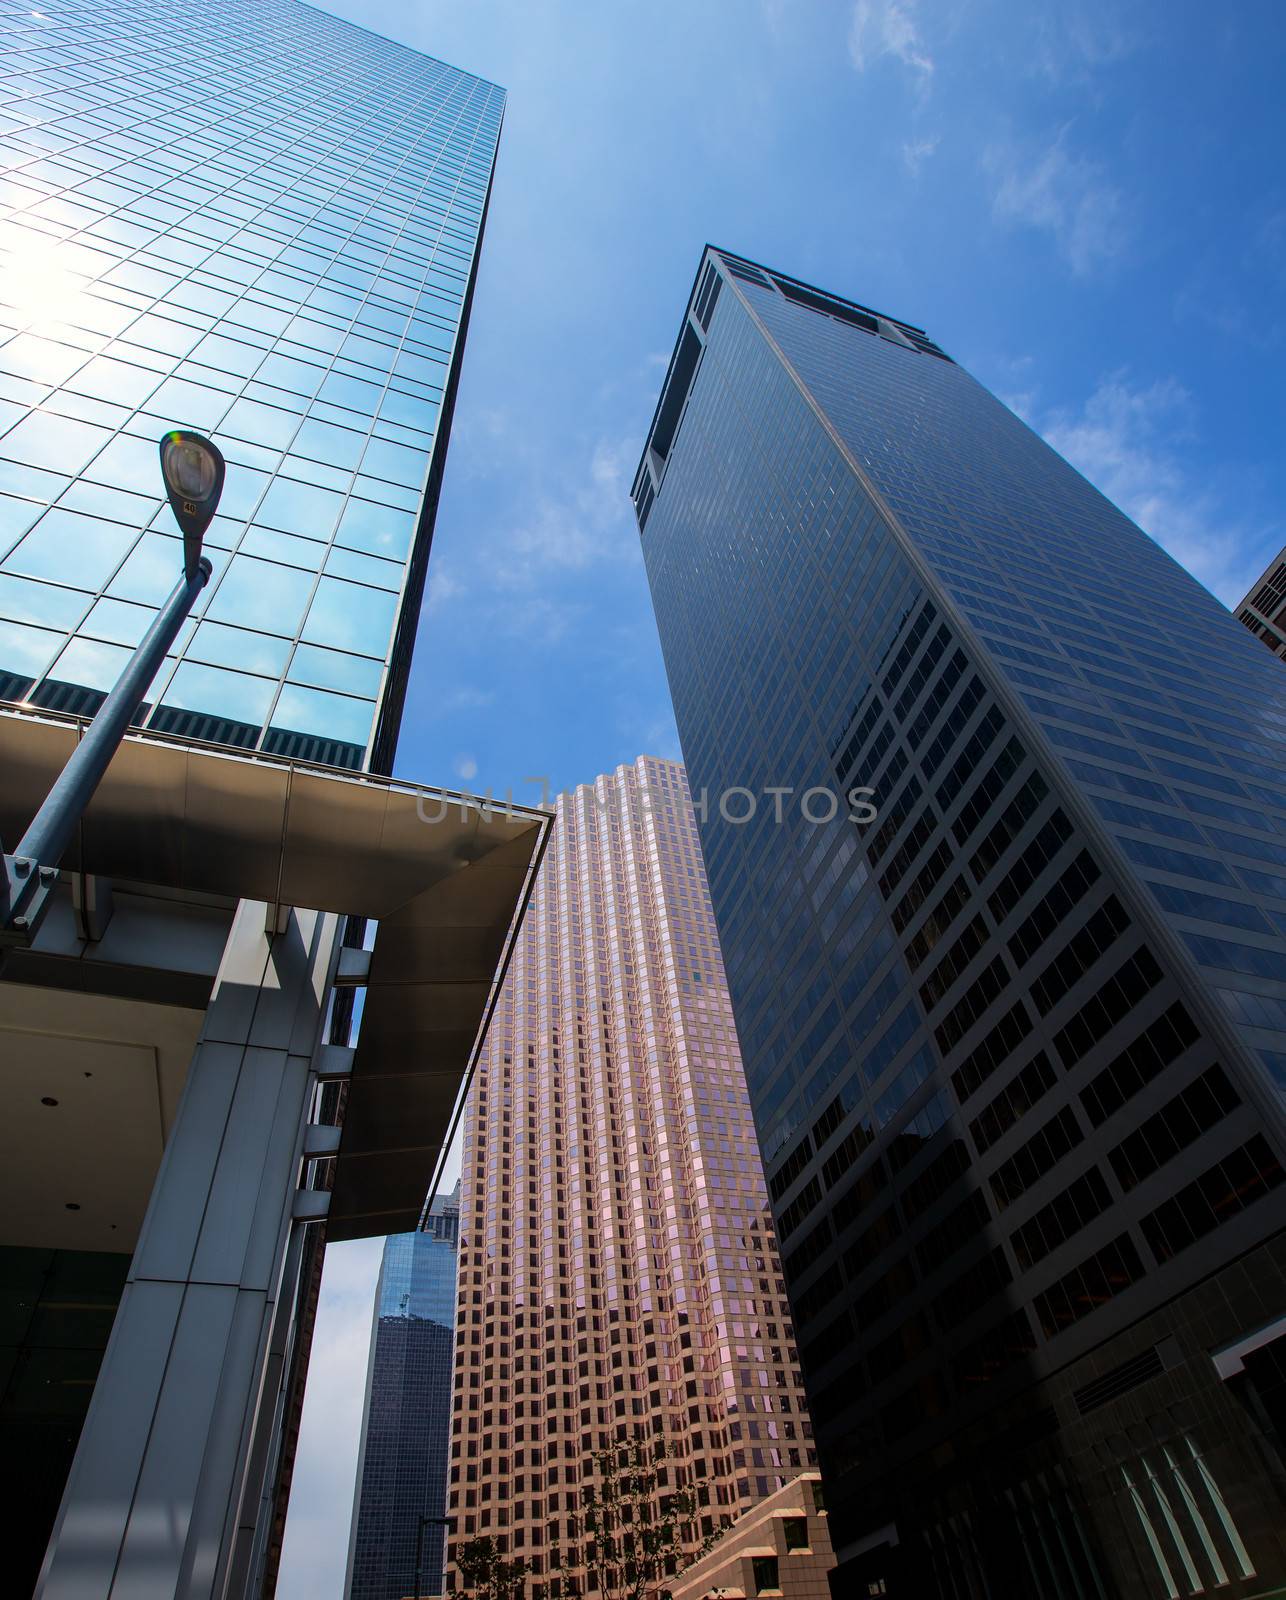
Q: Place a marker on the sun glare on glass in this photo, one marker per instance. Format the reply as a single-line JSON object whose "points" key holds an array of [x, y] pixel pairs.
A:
{"points": [[36, 282]]}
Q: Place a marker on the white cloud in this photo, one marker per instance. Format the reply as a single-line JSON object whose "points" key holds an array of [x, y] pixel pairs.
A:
{"points": [[887, 28], [442, 587], [588, 523], [915, 152], [1075, 41], [1066, 196], [1128, 440], [662, 739], [1241, 298], [539, 620], [468, 697], [466, 767], [776, 15], [315, 1554], [1022, 403]]}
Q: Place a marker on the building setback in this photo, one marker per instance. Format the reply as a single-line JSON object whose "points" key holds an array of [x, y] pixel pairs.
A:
{"points": [[399, 1500], [782, 1545], [1264, 608], [618, 1273], [1016, 1049]]}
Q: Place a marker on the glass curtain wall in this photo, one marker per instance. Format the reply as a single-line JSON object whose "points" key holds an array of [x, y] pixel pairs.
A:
{"points": [[260, 222]]}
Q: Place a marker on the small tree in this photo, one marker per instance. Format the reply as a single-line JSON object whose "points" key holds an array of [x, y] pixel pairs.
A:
{"points": [[632, 1521], [487, 1575]]}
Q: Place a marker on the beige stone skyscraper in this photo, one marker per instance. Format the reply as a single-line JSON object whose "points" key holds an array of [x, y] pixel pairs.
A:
{"points": [[618, 1270]]}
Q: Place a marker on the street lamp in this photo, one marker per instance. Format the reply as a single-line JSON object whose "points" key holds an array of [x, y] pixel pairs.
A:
{"points": [[442, 1522], [193, 471]]}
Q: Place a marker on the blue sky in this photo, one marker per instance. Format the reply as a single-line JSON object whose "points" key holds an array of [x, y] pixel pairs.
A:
{"points": [[1084, 203]]}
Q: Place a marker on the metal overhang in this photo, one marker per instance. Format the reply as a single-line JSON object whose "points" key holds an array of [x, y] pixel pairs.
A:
{"points": [[445, 879]]}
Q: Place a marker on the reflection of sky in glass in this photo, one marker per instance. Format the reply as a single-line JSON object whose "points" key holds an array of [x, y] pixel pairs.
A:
{"points": [[119, 622], [31, 649], [95, 665], [300, 508], [341, 563], [261, 594], [905, 993], [418, 1278], [296, 292], [237, 647], [376, 528], [350, 617], [331, 716], [333, 669], [41, 602], [241, 697], [284, 547], [67, 547]]}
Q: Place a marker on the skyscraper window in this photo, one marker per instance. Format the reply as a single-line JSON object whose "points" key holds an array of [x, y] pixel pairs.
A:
{"points": [[1016, 1046], [276, 249]]}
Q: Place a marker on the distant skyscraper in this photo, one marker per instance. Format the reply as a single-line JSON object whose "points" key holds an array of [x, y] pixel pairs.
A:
{"points": [[401, 1476], [1017, 1048], [277, 247], [617, 1265], [1264, 608]]}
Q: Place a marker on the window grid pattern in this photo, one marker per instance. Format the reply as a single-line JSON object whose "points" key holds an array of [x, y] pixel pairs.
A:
{"points": [[619, 1273], [275, 251], [402, 1473], [804, 652], [1055, 579]]}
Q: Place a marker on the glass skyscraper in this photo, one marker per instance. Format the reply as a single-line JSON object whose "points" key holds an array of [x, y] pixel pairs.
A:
{"points": [[258, 221], [1017, 1047], [261, 222], [402, 1470]]}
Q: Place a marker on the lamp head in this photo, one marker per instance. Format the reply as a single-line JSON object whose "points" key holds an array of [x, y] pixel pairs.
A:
{"points": [[193, 470]]}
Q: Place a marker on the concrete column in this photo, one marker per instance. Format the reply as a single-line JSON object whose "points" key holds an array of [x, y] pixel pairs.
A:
{"points": [[152, 1502]]}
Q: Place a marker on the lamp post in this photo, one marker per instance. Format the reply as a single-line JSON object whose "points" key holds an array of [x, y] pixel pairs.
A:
{"points": [[193, 470], [443, 1522]]}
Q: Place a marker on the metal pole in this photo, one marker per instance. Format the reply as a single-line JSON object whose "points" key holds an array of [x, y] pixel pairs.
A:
{"points": [[419, 1555], [425, 1521], [52, 827]]}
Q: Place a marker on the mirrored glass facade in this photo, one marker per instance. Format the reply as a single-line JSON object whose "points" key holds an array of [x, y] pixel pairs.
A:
{"points": [[260, 222], [1015, 1046], [403, 1459]]}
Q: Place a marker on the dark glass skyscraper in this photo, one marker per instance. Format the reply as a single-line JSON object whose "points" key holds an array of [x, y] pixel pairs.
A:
{"points": [[1016, 1048], [402, 1469]]}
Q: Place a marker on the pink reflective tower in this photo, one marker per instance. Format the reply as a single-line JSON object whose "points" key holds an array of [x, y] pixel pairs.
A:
{"points": [[618, 1269]]}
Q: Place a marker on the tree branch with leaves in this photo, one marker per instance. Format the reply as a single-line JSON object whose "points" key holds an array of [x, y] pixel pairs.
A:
{"points": [[486, 1575], [632, 1519]]}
